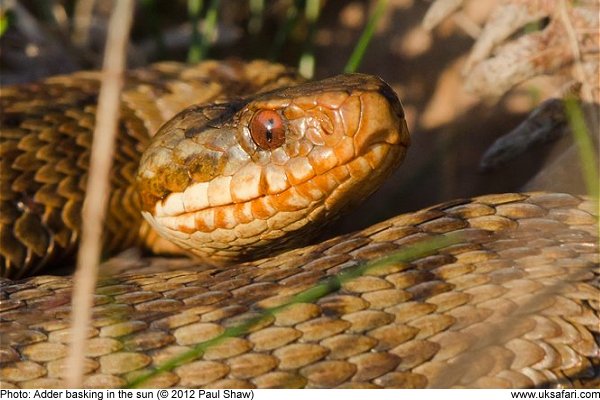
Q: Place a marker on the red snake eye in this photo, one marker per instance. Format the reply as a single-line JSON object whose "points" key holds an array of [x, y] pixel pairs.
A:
{"points": [[267, 129]]}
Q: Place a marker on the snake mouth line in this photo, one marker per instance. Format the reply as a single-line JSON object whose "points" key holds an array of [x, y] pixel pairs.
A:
{"points": [[167, 209], [230, 227]]}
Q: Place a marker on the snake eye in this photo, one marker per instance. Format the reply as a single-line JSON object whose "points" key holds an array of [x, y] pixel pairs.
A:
{"points": [[267, 129]]}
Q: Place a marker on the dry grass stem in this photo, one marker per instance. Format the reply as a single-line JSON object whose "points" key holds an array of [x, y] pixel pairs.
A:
{"points": [[439, 10], [587, 93], [82, 21], [467, 25], [97, 190], [523, 39]]}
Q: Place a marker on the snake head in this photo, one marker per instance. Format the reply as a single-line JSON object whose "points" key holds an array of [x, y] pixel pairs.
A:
{"points": [[249, 177]]}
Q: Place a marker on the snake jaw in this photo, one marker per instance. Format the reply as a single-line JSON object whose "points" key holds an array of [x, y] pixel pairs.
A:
{"points": [[225, 197]]}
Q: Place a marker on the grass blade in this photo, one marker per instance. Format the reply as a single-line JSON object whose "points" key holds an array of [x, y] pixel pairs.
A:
{"points": [[98, 187], [204, 35], [306, 66], [291, 19], [311, 295], [589, 163], [361, 47]]}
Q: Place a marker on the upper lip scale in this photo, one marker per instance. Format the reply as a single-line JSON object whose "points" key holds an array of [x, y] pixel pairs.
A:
{"points": [[184, 213]]}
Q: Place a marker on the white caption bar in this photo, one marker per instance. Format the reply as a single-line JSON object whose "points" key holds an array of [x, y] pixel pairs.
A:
{"points": [[266, 394]]}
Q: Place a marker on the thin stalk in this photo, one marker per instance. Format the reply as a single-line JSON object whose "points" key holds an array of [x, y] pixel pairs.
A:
{"points": [[589, 163], [201, 40], [291, 19], [98, 187], [4, 22], [194, 9], [311, 295], [361, 47], [82, 20], [257, 10], [306, 66]]}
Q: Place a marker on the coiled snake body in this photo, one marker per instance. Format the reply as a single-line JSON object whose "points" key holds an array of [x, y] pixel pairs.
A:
{"points": [[496, 291]]}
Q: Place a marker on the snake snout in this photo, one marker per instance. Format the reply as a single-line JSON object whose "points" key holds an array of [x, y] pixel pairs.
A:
{"points": [[381, 120]]}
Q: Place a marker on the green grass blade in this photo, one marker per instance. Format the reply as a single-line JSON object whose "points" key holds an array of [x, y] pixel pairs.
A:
{"points": [[311, 295], [209, 31], [589, 162], [291, 19], [306, 67], [257, 11], [4, 23], [361, 47], [194, 9], [202, 36]]}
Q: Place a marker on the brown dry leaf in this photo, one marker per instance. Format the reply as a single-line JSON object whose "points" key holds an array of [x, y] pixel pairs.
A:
{"points": [[522, 39], [567, 45]]}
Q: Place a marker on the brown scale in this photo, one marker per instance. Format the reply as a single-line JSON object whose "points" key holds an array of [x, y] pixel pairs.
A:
{"points": [[515, 304]]}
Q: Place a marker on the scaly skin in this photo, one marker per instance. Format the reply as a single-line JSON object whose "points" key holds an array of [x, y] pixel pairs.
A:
{"points": [[513, 301], [207, 185], [45, 147]]}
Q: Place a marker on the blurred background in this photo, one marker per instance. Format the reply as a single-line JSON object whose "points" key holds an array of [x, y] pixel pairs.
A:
{"points": [[467, 72]]}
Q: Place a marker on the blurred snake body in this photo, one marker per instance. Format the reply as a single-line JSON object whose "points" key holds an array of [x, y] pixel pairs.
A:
{"points": [[247, 164]]}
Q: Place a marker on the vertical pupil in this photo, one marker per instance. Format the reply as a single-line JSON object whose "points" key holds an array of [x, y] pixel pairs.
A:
{"points": [[269, 130]]}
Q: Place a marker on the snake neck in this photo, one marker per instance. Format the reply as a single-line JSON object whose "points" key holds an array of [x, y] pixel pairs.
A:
{"points": [[46, 138]]}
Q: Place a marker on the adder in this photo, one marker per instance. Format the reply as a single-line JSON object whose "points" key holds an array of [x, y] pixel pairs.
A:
{"points": [[248, 163]]}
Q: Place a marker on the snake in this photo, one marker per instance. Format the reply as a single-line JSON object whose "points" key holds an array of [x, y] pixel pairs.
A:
{"points": [[238, 165]]}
